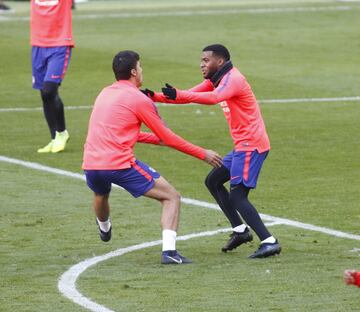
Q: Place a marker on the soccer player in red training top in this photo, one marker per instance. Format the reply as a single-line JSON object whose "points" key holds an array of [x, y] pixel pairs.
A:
{"points": [[114, 128], [352, 277], [224, 84], [51, 41]]}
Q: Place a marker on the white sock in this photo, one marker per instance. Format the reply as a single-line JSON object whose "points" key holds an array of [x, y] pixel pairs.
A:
{"points": [[240, 228], [269, 240], [104, 226], [169, 240]]}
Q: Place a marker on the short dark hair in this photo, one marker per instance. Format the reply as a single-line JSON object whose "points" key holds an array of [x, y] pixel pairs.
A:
{"points": [[123, 63], [218, 50]]}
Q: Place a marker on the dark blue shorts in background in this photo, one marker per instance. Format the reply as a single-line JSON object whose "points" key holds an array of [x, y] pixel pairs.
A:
{"points": [[244, 167], [49, 64], [137, 180]]}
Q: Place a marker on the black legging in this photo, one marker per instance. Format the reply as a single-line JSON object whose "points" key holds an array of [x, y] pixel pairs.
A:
{"points": [[53, 107], [215, 181], [239, 200], [235, 201]]}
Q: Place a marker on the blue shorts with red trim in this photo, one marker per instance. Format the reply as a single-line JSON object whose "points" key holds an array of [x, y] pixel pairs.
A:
{"points": [[137, 180], [49, 64], [244, 167]]}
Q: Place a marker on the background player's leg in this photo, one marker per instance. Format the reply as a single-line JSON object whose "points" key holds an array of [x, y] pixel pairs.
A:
{"points": [[48, 96], [59, 114], [54, 107], [62, 136], [57, 64], [39, 68]]}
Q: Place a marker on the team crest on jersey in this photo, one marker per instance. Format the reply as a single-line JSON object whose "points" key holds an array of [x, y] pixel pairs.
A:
{"points": [[47, 2]]}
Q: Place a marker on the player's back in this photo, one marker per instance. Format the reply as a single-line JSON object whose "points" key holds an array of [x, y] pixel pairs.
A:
{"points": [[115, 107], [113, 127]]}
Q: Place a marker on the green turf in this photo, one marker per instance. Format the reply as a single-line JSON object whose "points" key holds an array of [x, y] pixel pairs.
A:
{"points": [[311, 175]]}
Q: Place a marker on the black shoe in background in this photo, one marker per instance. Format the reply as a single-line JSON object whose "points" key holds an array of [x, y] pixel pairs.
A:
{"points": [[236, 239]]}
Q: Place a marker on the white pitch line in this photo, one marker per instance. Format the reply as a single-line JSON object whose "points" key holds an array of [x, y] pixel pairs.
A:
{"points": [[190, 201], [39, 167], [313, 100], [269, 101], [217, 12], [67, 281], [194, 13], [32, 109]]}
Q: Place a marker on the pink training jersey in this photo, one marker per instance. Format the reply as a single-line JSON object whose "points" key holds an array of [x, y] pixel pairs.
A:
{"points": [[239, 105], [51, 23], [114, 128]]}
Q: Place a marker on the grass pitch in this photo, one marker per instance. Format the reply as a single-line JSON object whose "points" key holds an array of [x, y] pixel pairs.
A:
{"points": [[287, 49]]}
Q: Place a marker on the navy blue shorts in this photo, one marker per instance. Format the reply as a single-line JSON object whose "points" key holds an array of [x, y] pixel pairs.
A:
{"points": [[49, 64], [244, 167], [137, 180]]}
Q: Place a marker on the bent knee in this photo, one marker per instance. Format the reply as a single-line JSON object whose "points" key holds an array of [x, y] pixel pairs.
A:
{"points": [[171, 194], [49, 91], [48, 95], [208, 181], [212, 181], [174, 195]]}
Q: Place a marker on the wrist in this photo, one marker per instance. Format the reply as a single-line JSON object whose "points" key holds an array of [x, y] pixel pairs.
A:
{"points": [[203, 154], [179, 94]]}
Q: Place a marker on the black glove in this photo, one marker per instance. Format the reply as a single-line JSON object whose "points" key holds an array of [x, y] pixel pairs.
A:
{"points": [[149, 93], [169, 92]]}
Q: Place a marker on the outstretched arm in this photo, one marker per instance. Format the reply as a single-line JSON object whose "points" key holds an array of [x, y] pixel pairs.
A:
{"points": [[204, 86], [227, 88], [147, 113]]}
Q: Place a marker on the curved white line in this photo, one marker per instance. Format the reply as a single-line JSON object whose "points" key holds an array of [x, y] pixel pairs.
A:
{"points": [[67, 282]]}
